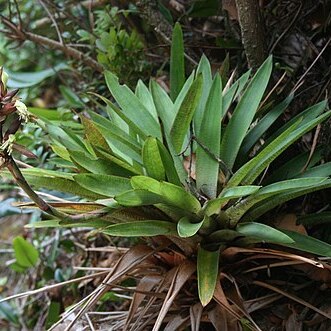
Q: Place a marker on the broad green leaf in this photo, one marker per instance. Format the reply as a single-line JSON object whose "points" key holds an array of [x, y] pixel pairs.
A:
{"points": [[166, 112], [146, 98], [59, 181], [182, 95], [169, 164], [132, 107], [105, 185], [48, 114], [205, 69], [294, 166], [286, 185], [123, 120], [252, 169], [139, 197], [213, 206], [244, 113], [97, 165], [234, 91], [28, 79], [93, 134], [25, 253], [173, 212], [207, 267], [71, 97], [43, 224], [149, 228], [291, 138], [185, 114], [177, 67], [239, 191], [164, 106], [95, 223], [270, 203], [308, 115], [307, 243], [237, 211], [209, 138], [146, 183], [62, 152], [264, 233], [322, 170], [152, 159], [121, 166], [315, 219], [187, 228], [179, 197], [64, 137], [121, 143], [173, 194], [260, 128]]}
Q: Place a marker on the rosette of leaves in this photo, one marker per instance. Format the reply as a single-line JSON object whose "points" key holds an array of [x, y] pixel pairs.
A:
{"points": [[186, 171]]}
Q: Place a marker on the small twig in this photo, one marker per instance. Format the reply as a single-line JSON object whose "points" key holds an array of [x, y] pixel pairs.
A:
{"points": [[20, 180], [22, 35], [53, 20], [272, 90], [296, 86], [18, 14], [42, 204], [313, 147], [224, 167], [286, 29]]}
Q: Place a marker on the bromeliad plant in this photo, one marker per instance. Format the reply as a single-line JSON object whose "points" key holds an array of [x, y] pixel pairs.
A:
{"points": [[188, 171]]}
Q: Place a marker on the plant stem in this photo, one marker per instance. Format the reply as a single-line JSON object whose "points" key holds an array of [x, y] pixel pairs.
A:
{"points": [[21, 181], [16, 32], [42, 204]]}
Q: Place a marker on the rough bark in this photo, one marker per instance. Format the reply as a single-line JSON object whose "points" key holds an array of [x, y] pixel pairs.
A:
{"points": [[252, 35], [150, 12]]}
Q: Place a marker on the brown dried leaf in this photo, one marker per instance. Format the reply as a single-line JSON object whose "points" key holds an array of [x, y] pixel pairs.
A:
{"points": [[289, 222], [182, 274], [222, 320], [195, 316], [146, 284], [176, 322], [292, 297], [231, 7], [231, 252]]}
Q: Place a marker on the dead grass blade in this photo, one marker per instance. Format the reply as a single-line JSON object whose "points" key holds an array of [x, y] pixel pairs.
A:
{"points": [[151, 305], [176, 323], [236, 298], [127, 263], [261, 302], [221, 299], [230, 252], [195, 316], [292, 297], [50, 287], [145, 285], [182, 274], [222, 320]]}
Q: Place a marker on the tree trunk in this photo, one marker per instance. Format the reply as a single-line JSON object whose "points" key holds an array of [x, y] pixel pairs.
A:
{"points": [[252, 35]]}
